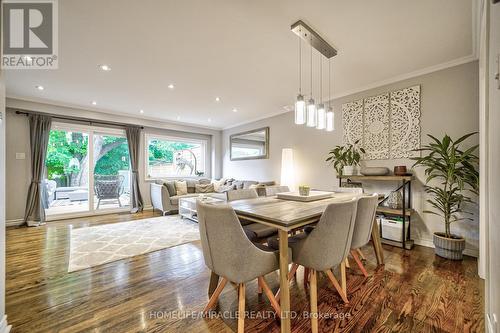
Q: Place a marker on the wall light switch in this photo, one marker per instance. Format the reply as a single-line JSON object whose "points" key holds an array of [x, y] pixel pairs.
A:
{"points": [[20, 156]]}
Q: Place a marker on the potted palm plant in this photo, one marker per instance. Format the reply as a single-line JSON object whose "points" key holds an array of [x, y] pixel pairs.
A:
{"points": [[345, 158], [453, 172]]}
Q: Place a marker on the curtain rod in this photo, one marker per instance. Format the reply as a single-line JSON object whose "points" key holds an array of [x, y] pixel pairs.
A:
{"points": [[84, 120]]}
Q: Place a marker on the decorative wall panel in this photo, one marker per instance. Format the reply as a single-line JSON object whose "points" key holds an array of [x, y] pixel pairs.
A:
{"points": [[352, 120], [387, 125], [405, 122], [376, 127]]}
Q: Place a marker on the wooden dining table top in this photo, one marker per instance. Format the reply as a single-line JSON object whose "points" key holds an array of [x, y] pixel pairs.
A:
{"points": [[287, 214]]}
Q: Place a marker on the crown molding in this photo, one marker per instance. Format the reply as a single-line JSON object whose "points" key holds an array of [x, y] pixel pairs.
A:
{"points": [[398, 78]]}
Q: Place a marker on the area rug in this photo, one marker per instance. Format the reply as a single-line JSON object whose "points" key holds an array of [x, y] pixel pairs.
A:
{"points": [[93, 246]]}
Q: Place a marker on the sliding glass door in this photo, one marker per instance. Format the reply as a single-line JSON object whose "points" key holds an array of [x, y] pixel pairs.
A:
{"points": [[87, 171], [111, 172]]}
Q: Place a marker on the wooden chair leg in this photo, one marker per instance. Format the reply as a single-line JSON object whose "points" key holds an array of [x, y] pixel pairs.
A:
{"points": [[215, 296], [259, 290], [347, 263], [343, 278], [241, 308], [313, 293], [270, 296], [291, 274], [358, 261], [360, 254], [335, 283]]}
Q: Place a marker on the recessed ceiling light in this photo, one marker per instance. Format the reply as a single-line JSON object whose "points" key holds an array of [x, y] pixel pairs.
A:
{"points": [[39, 87], [235, 110], [209, 120], [105, 68], [171, 86], [94, 103], [217, 99], [141, 111]]}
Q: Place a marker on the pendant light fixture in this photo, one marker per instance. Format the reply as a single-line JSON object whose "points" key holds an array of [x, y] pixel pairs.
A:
{"points": [[300, 104], [310, 114], [311, 106], [321, 121], [330, 115]]}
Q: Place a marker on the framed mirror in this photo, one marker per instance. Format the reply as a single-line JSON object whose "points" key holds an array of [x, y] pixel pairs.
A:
{"points": [[250, 145]]}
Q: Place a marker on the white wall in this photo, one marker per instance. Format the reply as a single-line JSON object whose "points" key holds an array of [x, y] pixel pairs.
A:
{"points": [[449, 104], [18, 142], [493, 229]]}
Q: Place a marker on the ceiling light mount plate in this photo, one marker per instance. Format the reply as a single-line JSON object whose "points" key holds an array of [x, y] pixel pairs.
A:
{"points": [[314, 39]]}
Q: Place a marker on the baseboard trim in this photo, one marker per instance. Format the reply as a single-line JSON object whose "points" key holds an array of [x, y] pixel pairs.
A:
{"points": [[4, 326], [14, 223], [430, 243]]}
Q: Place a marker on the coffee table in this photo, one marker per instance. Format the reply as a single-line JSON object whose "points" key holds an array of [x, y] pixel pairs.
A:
{"points": [[187, 206]]}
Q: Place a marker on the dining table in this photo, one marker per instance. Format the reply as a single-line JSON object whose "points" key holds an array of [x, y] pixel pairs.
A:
{"points": [[288, 216]]}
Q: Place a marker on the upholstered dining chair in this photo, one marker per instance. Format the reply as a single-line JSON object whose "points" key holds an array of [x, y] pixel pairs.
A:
{"points": [[249, 193], [232, 256], [273, 190], [256, 232], [365, 217], [326, 246]]}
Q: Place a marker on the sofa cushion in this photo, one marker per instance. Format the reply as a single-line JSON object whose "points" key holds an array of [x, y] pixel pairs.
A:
{"points": [[175, 199], [181, 187], [217, 184], [238, 184], [260, 230], [170, 185], [248, 183], [225, 188], [204, 188], [269, 183], [191, 185], [204, 181]]}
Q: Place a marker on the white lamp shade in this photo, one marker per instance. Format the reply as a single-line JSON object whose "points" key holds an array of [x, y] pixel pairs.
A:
{"points": [[287, 169], [300, 110], [321, 122], [330, 120], [311, 114]]}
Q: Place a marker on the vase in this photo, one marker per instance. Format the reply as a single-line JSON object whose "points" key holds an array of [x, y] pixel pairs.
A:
{"points": [[348, 170], [449, 248]]}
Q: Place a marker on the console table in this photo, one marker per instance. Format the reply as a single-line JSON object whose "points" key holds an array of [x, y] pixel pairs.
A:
{"points": [[404, 184]]}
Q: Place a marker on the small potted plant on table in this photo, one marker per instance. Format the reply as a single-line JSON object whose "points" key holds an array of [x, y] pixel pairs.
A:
{"points": [[345, 158], [456, 170]]}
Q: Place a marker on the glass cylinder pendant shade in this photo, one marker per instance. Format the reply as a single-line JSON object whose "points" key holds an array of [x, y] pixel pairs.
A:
{"points": [[300, 110], [330, 120], [312, 115], [321, 122]]}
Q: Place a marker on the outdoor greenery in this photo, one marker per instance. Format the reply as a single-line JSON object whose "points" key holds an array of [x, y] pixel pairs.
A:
{"points": [[348, 155], [67, 160], [456, 170], [160, 150]]}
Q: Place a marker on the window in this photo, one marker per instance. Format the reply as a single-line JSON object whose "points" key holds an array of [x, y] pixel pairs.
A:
{"points": [[175, 157]]}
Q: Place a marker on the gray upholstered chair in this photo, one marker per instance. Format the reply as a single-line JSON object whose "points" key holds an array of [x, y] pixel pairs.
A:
{"points": [[108, 187], [365, 217], [230, 255], [256, 232], [249, 193], [273, 190], [325, 247]]}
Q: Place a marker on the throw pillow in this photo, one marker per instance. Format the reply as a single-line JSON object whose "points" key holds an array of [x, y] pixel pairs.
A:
{"points": [[204, 188], [170, 188], [181, 187], [238, 184], [217, 184], [225, 188]]}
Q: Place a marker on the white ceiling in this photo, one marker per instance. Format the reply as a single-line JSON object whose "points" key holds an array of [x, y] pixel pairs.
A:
{"points": [[242, 51]]}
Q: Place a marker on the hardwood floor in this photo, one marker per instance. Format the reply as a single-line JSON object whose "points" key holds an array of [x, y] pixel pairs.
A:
{"points": [[164, 291]]}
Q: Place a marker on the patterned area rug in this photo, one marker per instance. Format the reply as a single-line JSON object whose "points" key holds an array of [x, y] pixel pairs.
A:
{"points": [[93, 246]]}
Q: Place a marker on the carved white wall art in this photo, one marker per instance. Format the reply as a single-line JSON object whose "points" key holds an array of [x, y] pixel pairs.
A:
{"points": [[352, 120], [388, 125], [376, 127], [405, 122]]}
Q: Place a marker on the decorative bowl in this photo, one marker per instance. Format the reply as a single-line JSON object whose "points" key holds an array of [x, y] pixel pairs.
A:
{"points": [[374, 171], [400, 170]]}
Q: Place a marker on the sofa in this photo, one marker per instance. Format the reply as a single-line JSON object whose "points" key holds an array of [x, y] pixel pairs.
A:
{"points": [[164, 194]]}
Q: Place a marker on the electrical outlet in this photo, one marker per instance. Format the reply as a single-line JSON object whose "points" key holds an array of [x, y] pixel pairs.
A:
{"points": [[20, 156]]}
